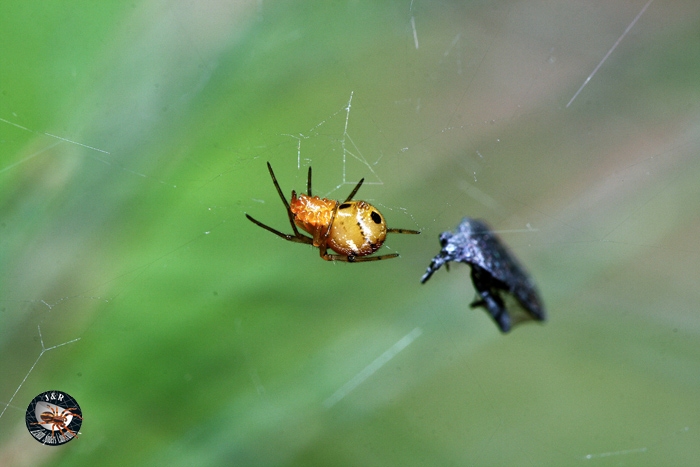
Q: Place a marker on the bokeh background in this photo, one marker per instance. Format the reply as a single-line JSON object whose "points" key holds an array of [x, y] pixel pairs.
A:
{"points": [[134, 136]]}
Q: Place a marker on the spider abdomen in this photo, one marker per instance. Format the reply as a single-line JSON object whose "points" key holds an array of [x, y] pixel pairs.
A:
{"points": [[358, 229]]}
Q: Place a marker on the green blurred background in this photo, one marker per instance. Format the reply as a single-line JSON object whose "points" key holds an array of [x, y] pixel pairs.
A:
{"points": [[134, 138]]}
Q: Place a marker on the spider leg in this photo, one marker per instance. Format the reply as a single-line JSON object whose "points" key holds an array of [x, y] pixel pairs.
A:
{"points": [[323, 251], [67, 412], [63, 431], [352, 259], [364, 259], [403, 231], [68, 430], [359, 259], [297, 237], [308, 183], [286, 205], [277, 185], [58, 428], [355, 190]]}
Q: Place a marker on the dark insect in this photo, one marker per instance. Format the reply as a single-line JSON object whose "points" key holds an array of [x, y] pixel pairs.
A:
{"points": [[494, 270]]}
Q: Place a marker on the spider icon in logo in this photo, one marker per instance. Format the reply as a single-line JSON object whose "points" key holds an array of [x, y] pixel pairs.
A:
{"points": [[53, 418]]}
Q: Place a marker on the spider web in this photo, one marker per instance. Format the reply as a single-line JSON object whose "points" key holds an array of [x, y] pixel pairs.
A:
{"points": [[132, 281], [350, 151]]}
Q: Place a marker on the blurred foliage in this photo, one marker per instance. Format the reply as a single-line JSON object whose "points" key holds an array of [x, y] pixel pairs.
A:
{"points": [[134, 136]]}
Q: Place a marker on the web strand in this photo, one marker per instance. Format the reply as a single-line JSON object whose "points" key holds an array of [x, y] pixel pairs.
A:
{"points": [[44, 349]]}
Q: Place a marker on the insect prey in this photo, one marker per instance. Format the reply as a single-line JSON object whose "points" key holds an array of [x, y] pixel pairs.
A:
{"points": [[494, 271]]}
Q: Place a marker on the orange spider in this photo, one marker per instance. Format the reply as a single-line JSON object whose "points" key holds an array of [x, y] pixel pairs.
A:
{"points": [[58, 420], [353, 229]]}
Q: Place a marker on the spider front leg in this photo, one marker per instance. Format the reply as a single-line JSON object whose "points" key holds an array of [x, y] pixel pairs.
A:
{"points": [[296, 237], [290, 215], [403, 231], [63, 430], [364, 259]]}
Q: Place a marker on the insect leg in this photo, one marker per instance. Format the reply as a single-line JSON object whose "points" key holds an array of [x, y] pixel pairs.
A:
{"points": [[490, 299], [435, 264]]}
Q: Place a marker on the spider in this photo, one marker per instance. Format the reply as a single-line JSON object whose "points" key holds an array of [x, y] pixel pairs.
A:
{"points": [[353, 229], [58, 420]]}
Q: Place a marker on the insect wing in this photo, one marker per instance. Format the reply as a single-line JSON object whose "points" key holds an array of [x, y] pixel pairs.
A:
{"points": [[494, 257]]}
